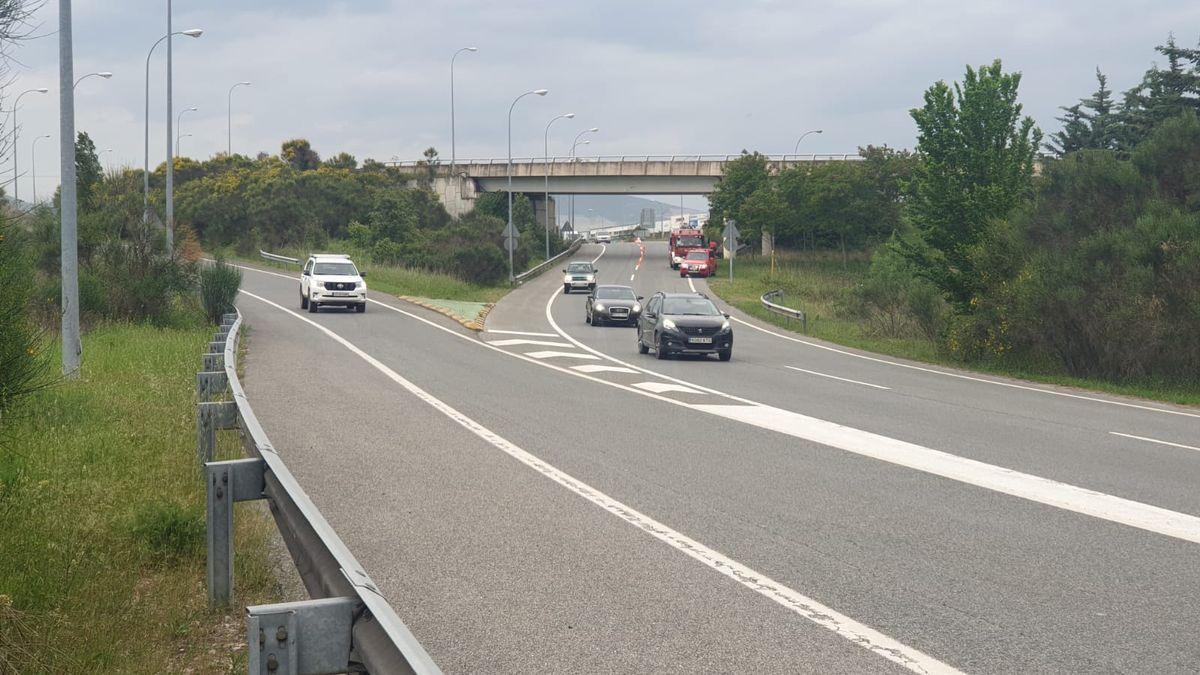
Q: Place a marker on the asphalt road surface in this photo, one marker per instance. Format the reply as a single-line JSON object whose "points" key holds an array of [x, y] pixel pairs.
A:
{"points": [[540, 497]]}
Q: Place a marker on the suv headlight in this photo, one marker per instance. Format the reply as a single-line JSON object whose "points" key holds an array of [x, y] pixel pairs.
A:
{"points": [[725, 325], [321, 284], [668, 324]]}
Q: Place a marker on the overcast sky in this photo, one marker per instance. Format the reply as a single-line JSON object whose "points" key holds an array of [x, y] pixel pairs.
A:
{"points": [[371, 77]]}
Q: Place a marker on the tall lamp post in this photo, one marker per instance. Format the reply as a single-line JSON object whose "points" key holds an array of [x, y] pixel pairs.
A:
{"points": [[107, 164], [179, 125], [33, 165], [106, 75], [574, 145], [229, 118], [194, 33], [72, 348], [508, 171], [16, 129], [453, 149], [814, 131], [177, 139], [564, 116]]}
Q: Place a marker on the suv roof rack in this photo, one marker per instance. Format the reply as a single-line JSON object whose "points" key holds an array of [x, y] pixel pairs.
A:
{"points": [[330, 255]]}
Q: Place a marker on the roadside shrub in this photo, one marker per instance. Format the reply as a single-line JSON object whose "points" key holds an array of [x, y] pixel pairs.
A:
{"points": [[219, 286], [170, 531], [480, 263], [23, 365], [895, 301], [359, 234], [388, 252]]}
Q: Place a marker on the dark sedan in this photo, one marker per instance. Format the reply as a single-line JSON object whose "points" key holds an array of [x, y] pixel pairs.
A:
{"points": [[612, 304], [684, 323]]}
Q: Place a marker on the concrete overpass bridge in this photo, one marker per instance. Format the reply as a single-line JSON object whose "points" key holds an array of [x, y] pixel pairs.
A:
{"points": [[602, 175]]}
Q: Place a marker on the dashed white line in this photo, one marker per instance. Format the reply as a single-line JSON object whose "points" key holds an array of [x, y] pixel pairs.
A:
{"points": [[523, 341], [551, 354], [835, 377], [1155, 440], [859, 634]]}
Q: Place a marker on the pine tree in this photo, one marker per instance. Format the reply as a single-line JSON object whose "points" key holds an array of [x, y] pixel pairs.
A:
{"points": [[1075, 134], [1100, 118]]}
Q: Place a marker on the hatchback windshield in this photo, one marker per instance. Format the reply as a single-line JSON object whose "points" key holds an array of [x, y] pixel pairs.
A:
{"points": [[615, 293], [689, 306], [582, 268], [335, 269], [689, 241], [698, 255]]}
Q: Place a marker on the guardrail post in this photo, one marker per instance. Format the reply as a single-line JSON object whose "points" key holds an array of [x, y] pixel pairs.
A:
{"points": [[225, 483], [313, 636], [209, 418], [210, 383], [213, 361]]}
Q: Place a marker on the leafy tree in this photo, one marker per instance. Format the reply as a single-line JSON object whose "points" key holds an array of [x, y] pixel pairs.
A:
{"points": [[763, 212], [88, 171], [300, 155], [342, 160], [976, 164], [1171, 159], [742, 178]]}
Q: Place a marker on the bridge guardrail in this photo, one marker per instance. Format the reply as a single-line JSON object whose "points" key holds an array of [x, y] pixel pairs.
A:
{"points": [[767, 300], [277, 258], [347, 622], [811, 157], [538, 269]]}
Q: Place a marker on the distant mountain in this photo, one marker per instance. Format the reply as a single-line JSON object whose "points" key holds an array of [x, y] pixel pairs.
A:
{"points": [[607, 210]]}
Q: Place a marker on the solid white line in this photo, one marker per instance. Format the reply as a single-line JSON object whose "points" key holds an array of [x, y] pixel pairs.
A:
{"points": [[631, 276], [692, 284], [1155, 440], [522, 341], [603, 248], [860, 634], [520, 332], [969, 377], [835, 377], [593, 368], [550, 354], [664, 387], [1190, 531]]}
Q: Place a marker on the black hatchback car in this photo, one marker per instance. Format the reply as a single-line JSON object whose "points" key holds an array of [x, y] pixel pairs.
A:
{"points": [[684, 323]]}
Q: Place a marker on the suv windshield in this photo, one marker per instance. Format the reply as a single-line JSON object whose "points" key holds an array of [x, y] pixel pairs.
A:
{"points": [[583, 268], [615, 293], [697, 255], [345, 269], [689, 306], [689, 241]]}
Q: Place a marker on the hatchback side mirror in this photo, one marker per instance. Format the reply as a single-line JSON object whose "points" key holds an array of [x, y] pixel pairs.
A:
{"points": [[639, 297], [725, 314]]}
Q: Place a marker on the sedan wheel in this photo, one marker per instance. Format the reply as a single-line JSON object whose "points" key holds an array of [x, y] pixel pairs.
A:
{"points": [[642, 348], [660, 349]]}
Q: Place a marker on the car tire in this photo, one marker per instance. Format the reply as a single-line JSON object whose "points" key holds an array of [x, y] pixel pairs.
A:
{"points": [[587, 318], [660, 349], [642, 348], [360, 308], [303, 301], [312, 307], [725, 354], [566, 289]]}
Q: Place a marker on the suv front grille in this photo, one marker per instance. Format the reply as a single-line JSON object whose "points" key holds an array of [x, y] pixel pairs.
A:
{"points": [[339, 285]]}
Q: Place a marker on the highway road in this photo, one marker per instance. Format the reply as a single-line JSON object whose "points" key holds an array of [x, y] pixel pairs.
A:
{"points": [[540, 497]]}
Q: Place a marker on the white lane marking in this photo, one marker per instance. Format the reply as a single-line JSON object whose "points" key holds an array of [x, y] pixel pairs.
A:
{"points": [[593, 368], [520, 332], [969, 377], [692, 284], [631, 276], [860, 634], [1008, 481], [551, 354], [1155, 440], [728, 411], [972, 472], [523, 341], [835, 377], [663, 387], [603, 248]]}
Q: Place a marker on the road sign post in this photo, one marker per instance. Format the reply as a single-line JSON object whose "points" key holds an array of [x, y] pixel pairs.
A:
{"points": [[731, 236]]}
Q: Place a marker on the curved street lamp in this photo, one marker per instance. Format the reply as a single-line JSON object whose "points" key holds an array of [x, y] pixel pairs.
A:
{"points": [[453, 149], [16, 129], [192, 33], [814, 131], [574, 145], [229, 118], [106, 75], [179, 126], [508, 171], [564, 116]]}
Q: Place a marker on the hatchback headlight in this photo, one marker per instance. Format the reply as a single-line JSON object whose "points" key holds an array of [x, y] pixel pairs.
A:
{"points": [[668, 324], [599, 306], [725, 325]]}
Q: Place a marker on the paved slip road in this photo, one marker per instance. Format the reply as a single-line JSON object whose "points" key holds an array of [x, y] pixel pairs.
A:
{"points": [[542, 498]]}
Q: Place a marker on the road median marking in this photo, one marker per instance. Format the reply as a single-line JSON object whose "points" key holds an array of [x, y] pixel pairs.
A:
{"points": [[845, 627], [664, 387], [522, 341], [835, 377], [519, 332], [551, 354], [1155, 440], [593, 368]]}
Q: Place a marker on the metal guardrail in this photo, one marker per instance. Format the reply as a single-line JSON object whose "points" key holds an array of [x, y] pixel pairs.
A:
{"points": [[534, 271], [777, 294], [277, 258], [348, 624], [843, 157]]}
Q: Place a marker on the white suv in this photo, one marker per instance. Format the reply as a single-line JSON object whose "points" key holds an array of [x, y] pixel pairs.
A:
{"points": [[332, 279]]}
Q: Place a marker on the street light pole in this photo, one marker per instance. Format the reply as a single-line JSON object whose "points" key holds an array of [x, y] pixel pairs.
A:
{"points": [[33, 165], [177, 139], [106, 75], [16, 129], [814, 131], [179, 126], [574, 145], [169, 210], [453, 149], [547, 175], [229, 118], [107, 164], [508, 170], [193, 32], [68, 223]]}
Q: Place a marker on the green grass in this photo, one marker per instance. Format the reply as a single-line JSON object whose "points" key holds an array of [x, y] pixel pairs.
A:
{"points": [[102, 518], [818, 283], [397, 280]]}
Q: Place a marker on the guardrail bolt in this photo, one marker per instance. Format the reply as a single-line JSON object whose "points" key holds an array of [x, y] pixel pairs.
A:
{"points": [[272, 663], [281, 634], [262, 638]]}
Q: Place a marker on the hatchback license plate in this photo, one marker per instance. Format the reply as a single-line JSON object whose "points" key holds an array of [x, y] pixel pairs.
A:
{"points": [[700, 340]]}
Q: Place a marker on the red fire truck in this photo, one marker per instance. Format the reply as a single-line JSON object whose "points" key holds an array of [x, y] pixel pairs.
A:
{"points": [[684, 240]]}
